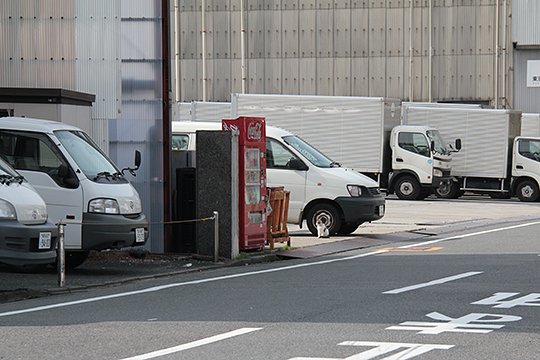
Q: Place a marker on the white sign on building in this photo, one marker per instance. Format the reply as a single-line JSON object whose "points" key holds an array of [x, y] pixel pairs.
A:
{"points": [[533, 73]]}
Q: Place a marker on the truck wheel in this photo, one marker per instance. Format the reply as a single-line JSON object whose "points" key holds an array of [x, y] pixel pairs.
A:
{"points": [[348, 228], [527, 191], [75, 258], [407, 188], [328, 214], [448, 191]]}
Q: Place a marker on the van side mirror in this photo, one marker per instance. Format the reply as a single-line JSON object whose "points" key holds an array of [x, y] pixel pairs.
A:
{"points": [[67, 177], [137, 164], [137, 159], [296, 164], [458, 144]]}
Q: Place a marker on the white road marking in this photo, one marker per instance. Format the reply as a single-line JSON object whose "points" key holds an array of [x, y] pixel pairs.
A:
{"points": [[193, 344], [194, 282], [469, 235], [219, 278], [433, 282]]}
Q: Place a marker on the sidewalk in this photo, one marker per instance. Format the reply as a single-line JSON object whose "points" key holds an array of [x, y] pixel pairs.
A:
{"points": [[404, 220]]}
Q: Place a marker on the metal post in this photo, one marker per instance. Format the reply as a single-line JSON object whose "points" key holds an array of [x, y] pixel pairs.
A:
{"points": [[61, 257], [216, 236]]}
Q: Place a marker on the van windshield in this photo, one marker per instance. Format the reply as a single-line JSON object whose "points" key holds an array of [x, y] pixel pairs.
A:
{"points": [[89, 158], [313, 155]]}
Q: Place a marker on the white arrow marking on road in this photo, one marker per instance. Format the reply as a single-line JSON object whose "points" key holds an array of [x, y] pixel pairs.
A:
{"points": [[433, 282], [193, 344]]}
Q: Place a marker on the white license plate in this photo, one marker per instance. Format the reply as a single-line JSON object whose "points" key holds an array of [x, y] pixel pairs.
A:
{"points": [[381, 210], [139, 235], [44, 240]]}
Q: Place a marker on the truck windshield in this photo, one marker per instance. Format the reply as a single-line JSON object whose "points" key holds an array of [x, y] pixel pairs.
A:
{"points": [[313, 155], [89, 158], [439, 145]]}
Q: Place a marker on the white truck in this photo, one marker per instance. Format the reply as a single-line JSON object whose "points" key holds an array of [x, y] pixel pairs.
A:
{"points": [[79, 183], [363, 133], [530, 124], [494, 159], [27, 237], [320, 189]]}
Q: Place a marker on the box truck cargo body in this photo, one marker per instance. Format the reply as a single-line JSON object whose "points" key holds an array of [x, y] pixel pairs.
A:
{"points": [[490, 160], [362, 133], [530, 124], [341, 198]]}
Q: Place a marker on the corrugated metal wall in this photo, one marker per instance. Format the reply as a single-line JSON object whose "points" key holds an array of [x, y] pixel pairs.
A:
{"points": [[340, 47], [70, 44], [140, 126], [526, 36], [526, 24]]}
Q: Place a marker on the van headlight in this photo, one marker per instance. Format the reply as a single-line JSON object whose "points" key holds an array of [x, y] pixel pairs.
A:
{"points": [[104, 206], [437, 172], [354, 190], [7, 211]]}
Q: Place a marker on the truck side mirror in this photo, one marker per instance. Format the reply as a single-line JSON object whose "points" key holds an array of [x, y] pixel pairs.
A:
{"points": [[458, 144], [296, 164], [432, 146]]}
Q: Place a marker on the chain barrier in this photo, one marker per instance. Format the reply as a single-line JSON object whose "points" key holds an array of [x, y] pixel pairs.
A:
{"points": [[61, 253]]}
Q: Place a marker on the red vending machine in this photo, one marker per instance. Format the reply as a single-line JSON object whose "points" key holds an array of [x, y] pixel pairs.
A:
{"points": [[251, 179]]}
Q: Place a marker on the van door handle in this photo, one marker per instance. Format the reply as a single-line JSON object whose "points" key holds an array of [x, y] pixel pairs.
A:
{"points": [[399, 160], [519, 167]]}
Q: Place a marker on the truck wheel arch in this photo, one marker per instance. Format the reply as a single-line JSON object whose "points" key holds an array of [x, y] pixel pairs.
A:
{"points": [[396, 176]]}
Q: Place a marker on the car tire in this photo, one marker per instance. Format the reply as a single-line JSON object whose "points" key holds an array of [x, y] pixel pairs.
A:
{"points": [[326, 212], [407, 188], [451, 191], [527, 191], [75, 258]]}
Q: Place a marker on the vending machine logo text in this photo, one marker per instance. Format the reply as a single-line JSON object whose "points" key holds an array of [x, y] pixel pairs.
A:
{"points": [[254, 131]]}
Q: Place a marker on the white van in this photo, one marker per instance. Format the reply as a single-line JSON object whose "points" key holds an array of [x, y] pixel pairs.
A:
{"points": [[27, 238], [320, 188], [79, 183]]}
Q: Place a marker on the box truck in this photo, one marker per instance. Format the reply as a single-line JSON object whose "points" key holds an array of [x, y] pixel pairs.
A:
{"points": [[320, 189], [79, 183], [362, 133], [494, 158], [530, 124], [27, 237]]}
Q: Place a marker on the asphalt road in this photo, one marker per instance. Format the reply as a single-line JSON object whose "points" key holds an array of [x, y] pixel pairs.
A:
{"points": [[471, 295]]}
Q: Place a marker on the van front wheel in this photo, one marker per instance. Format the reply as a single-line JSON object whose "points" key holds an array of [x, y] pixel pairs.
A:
{"points": [[75, 258], [327, 214]]}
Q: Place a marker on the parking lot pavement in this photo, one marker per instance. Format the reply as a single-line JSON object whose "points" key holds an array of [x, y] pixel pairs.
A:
{"points": [[421, 218]]}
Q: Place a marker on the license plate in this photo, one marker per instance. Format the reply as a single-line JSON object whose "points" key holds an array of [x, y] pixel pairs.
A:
{"points": [[44, 240], [381, 210], [139, 235]]}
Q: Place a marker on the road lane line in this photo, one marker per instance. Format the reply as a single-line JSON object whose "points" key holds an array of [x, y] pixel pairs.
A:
{"points": [[194, 282], [193, 344], [469, 235], [433, 282], [219, 278]]}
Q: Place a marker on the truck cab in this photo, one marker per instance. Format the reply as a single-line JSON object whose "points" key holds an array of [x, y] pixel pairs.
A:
{"points": [[421, 161], [526, 168]]}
